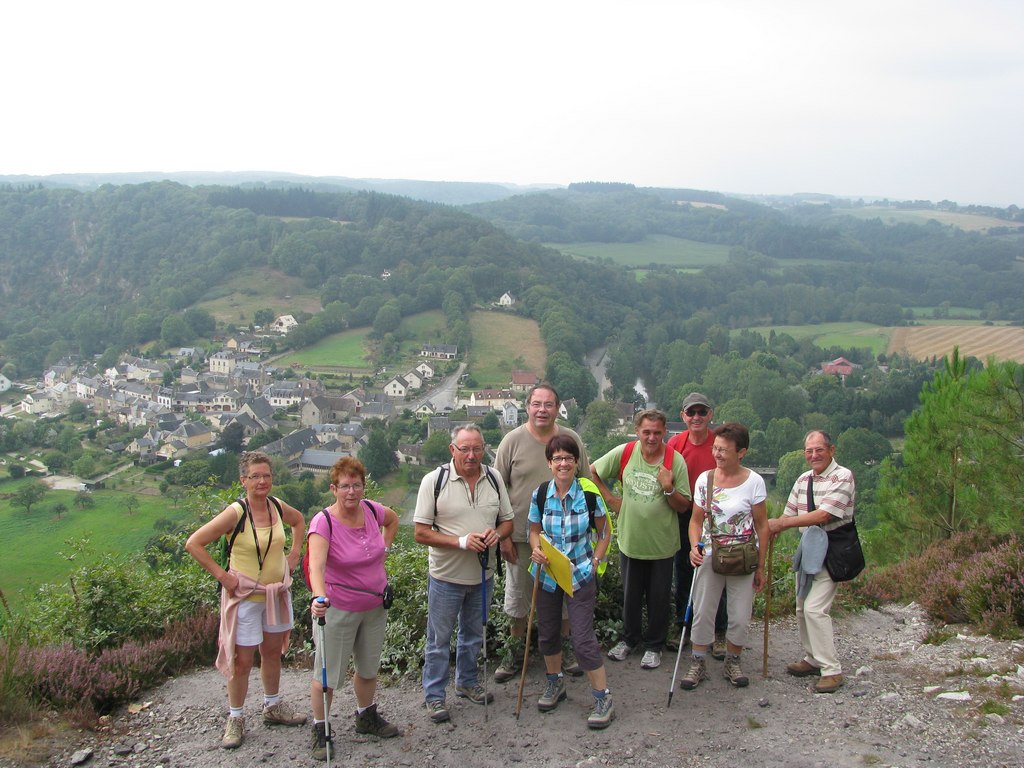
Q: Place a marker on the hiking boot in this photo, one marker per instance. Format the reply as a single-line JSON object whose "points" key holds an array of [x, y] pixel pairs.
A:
{"points": [[733, 673], [802, 668], [828, 684], [720, 647], [319, 741], [511, 663], [602, 714], [282, 714], [698, 671], [474, 693], [437, 711], [233, 733], [370, 721], [673, 642], [570, 666], [620, 651], [554, 692], [651, 660]]}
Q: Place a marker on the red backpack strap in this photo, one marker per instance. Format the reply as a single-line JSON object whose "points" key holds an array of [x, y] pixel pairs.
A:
{"points": [[668, 458], [626, 453]]}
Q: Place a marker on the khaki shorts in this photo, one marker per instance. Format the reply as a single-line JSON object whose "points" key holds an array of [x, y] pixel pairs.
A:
{"points": [[351, 633], [519, 585]]}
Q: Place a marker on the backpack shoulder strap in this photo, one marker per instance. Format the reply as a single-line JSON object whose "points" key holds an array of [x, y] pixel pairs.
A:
{"points": [[442, 478], [493, 480], [626, 453], [669, 456], [542, 494], [375, 509], [239, 526]]}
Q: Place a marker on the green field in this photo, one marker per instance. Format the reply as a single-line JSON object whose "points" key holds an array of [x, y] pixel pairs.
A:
{"points": [[32, 542], [256, 288], [344, 350], [866, 335], [656, 249], [956, 314], [499, 341], [423, 327]]}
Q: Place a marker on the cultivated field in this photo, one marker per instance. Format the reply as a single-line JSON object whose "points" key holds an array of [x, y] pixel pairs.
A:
{"points": [[1004, 342], [340, 350], [501, 342], [968, 222]]}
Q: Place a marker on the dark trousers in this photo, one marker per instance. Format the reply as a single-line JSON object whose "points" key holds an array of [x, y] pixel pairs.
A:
{"points": [[646, 584], [581, 624], [684, 580]]}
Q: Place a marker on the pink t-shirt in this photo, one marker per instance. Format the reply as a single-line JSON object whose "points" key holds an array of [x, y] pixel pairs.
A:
{"points": [[355, 558]]}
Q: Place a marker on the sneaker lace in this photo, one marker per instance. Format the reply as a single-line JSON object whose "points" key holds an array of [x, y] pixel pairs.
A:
{"points": [[551, 690]]}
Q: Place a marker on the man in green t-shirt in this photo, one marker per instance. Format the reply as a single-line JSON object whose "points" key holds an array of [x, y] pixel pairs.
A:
{"points": [[653, 497]]}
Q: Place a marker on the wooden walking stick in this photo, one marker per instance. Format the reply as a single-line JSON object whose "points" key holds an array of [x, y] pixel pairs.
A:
{"points": [[526, 650], [768, 606]]}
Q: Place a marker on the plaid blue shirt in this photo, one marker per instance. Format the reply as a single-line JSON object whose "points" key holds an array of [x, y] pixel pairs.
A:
{"points": [[566, 524]]}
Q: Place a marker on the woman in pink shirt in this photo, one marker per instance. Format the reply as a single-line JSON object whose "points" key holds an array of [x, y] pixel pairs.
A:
{"points": [[348, 542]]}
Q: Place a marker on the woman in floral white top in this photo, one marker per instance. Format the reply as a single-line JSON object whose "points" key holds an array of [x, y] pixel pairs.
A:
{"points": [[734, 512]]}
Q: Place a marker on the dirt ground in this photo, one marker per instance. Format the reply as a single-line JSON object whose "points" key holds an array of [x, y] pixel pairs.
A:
{"points": [[888, 714]]}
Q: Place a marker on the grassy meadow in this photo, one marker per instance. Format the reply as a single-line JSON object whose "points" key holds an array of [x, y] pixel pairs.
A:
{"points": [[873, 337], [33, 542], [252, 289], [968, 222], [501, 342]]}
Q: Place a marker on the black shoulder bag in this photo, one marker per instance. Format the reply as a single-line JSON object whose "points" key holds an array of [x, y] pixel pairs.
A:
{"points": [[845, 558]]}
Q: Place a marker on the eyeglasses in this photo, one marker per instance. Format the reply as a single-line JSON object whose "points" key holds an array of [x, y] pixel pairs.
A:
{"points": [[696, 411], [563, 459], [349, 487], [260, 478], [547, 406], [476, 450]]}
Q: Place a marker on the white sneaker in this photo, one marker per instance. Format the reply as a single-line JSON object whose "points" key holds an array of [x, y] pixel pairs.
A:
{"points": [[620, 652], [651, 660]]}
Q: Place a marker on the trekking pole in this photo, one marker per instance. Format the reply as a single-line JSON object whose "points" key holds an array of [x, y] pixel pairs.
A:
{"points": [[321, 622], [768, 607], [687, 618], [526, 651], [484, 557]]}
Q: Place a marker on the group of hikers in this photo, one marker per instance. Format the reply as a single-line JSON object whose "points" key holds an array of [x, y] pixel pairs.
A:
{"points": [[689, 519]]}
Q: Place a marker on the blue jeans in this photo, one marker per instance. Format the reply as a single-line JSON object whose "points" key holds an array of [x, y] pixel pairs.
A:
{"points": [[446, 604]]}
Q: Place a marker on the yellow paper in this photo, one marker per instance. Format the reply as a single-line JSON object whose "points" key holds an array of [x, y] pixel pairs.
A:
{"points": [[558, 565]]}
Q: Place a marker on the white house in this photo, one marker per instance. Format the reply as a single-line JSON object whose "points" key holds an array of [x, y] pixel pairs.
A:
{"points": [[506, 300], [396, 387], [5, 383], [413, 379], [283, 324], [425, 370]]}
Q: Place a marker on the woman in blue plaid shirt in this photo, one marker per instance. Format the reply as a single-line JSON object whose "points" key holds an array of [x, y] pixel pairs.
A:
{"points": [[563, 516]]}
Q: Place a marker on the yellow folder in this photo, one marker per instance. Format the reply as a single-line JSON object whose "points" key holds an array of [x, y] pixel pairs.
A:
{"points": [[558, 565]]}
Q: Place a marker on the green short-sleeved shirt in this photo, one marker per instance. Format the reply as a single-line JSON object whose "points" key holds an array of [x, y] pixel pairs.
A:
{"points": [[648, 528]]}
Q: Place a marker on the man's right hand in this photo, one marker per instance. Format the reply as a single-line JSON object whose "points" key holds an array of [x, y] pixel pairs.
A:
{"points": [[509, 551]]}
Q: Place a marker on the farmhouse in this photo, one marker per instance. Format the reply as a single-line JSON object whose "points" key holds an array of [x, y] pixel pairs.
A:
{"points": [[440, 351]]}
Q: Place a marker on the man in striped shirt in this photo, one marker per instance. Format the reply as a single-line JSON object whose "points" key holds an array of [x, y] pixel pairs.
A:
{"points": [[829, 505]]}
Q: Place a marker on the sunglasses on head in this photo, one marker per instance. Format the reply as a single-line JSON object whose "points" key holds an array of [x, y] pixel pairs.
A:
{"points": [[696, 411]]}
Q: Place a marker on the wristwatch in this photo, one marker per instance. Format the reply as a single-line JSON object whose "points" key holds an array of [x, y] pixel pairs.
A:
{"points": [[669, 493]]}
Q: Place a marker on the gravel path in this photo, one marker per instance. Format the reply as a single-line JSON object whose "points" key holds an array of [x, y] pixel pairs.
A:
{"points": [[889, 714]]}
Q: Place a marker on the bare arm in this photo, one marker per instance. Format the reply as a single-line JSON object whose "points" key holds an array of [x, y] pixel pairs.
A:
{"points": [[696, 531], [390, 528], [222, 525], [293, 518], [477, 542], [778, 524], [614, 502]]}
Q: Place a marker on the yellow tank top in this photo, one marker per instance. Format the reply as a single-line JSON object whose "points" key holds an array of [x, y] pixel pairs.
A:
{"points": [[243, 552]]}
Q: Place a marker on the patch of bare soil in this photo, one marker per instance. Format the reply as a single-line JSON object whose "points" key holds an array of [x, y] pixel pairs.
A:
{"points": [[890, 713]]}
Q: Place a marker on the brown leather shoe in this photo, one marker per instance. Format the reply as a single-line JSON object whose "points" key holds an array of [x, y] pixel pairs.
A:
{"points": [[802, 668], [828, 684]]}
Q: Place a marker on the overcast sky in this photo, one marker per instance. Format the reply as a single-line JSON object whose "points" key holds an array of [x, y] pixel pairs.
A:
{"points": [[899, 98]]}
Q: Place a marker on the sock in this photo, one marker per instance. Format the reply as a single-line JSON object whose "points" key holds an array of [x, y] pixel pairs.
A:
{"points": [[599, 695], [318, 722], [234, 711], [554, 677], [360, 710], [700, 654], [269, 701]]}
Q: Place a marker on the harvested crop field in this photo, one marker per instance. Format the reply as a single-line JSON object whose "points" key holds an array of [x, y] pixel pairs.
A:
{"points": [[981, 341]]}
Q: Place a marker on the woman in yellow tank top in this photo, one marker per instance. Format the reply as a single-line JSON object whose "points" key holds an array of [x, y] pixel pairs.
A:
{"points": [[256, 607]]}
